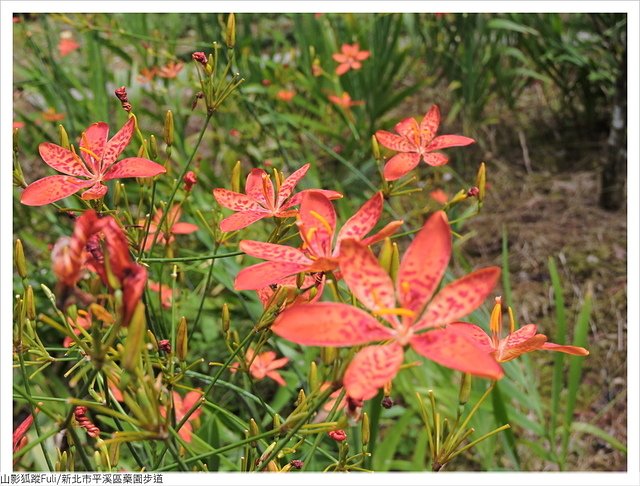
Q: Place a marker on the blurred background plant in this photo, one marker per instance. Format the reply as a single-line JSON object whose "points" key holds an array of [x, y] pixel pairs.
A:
{"points": [[541, 93]]}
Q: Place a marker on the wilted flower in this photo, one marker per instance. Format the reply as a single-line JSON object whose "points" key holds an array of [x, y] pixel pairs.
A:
{"points": [[200, 57], [190, 179]]}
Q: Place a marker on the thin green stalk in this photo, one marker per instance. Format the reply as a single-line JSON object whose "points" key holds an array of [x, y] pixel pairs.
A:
{"points": [[376, 410], [205, 290], [560, 338], [212, 256]]}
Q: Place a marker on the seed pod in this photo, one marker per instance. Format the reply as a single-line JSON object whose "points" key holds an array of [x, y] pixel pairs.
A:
{"points": [[18, 256], [167, 133], [182, 339], [230, 34], [64, 138]]}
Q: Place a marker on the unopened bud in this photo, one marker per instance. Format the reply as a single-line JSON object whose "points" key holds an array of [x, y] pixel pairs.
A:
{"points": [[135, 338], [375, 147], [121, 94], [236, 175], [395, 262], [277, 422], [153, 147], [16, 140], [152, 340], [365, 429], [253, 431], [301, 398], [64, 138], [29, 303], [465, 389], [481, 182], [385, 255], [338, 435], [473, 192], [167, 133], [114, 453], [226, 320], [164, 345], [328, 355], [461, 195], [18, 256], [230, 34], [313, 376], [182, 339]]}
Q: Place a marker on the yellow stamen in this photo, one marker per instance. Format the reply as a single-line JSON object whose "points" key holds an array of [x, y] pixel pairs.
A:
{"points": [[310, 234], [268, 194], [322, 220], [397, 311], [496, 319], [92, 154], [278, 178], [405, 286], [512, 321]]}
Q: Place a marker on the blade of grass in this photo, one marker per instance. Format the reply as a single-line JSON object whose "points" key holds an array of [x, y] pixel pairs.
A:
{"points": [[560, 338]]}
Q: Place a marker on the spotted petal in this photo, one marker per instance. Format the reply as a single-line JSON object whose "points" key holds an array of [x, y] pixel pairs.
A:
{"points": [[574, 350], [328, 324], [236, 201], [444, 141], [92, 144], [134, 167], [297, 197], [435, 159], [63, 160], [459, 298], [424, 263], [364, 276], [51, 189], [317, 222], [473, 332], [371, 369], [290, 183], [254, 186], [241, 220], [267, 273], [455, 350], [400, 164], [395, 142], [408, 128], [274, 252], [431, 122], [117, 144], [362, 222]]}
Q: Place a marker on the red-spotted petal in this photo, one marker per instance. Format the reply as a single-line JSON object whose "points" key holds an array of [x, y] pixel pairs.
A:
{"points": [[317, 222], [368, 281], [63, 160], [96, 192], [460, 298], [183, 228], [92, 144], [455, 350], [400, 164], [254, 186], [328, 324], [506, 352], [371, 369], [388, 230], [297, 197], [574, 350], [51, 189], [236, 201], [408, 128], [117, 144], [395, 142], [521, 335], [290, 183], [274, 252], [424, 263], [444, 141], [435, 159], [267, 273], [430, 123], [362, 222], [241, 220], [473, 332], [134, 167]]}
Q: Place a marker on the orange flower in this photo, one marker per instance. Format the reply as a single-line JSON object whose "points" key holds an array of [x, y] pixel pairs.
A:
{"points": [[417, 142], [166, 294], [83, 321], [99, 165], [18, 124], [181, 407], [51, 115], [171, 69], [146, 75], [350, 58], [263, 365], [319, 252], [262, 200], [344, 100], [516, 343], [439, 196], [171, 222], [285, 95], [408, 307], [67, 45]]}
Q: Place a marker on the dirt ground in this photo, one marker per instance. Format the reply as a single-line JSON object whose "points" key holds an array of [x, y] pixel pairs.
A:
{"points": [[554, 212]]}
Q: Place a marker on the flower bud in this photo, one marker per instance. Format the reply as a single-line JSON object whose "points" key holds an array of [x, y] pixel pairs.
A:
{"points": [[64, 138], [395, 261], [328, 355], [297, 464], [21, 263], [338, 435], [375, 147], [365, 429], [481, 182], [152, 340], [473, 192], [253, 431], [226, 320], [190, 179], [182, 339], [386, 252], [230, 34], [153, 147], [200, 57], [301, 398], [236, 175], [135, 338], [313, 376], [167, 133], [465, 389], [29, 303], [16, 140], [164, 345], [277, 422]]}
